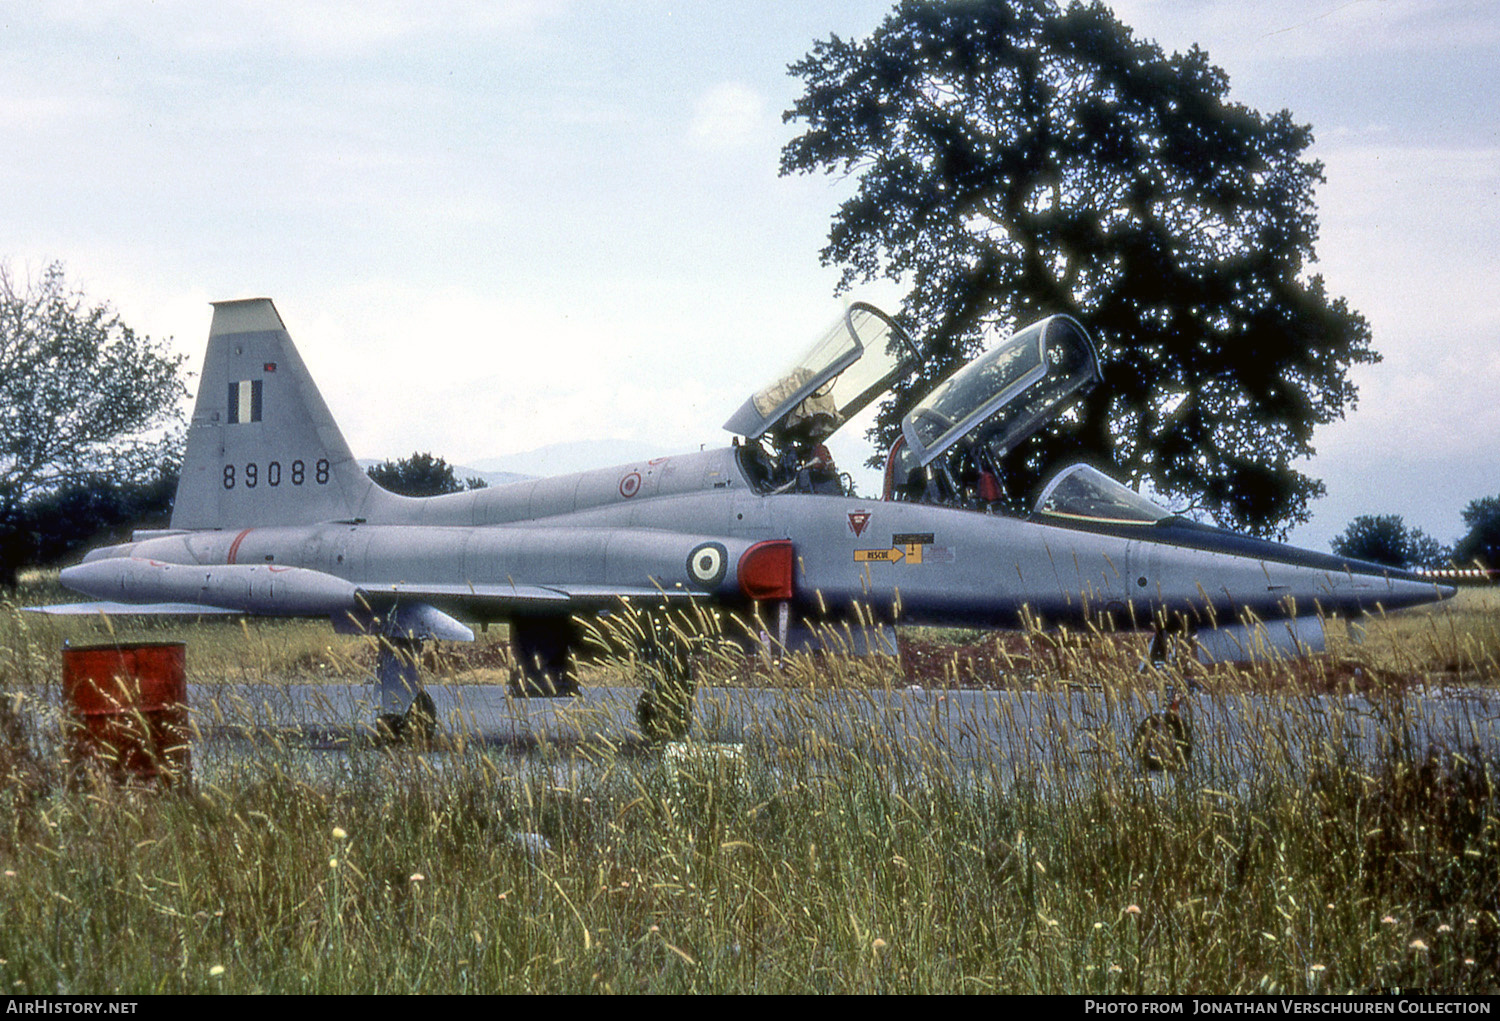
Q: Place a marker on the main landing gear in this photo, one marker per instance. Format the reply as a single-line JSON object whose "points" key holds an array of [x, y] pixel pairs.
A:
{"points": [[1164, 740], [407, 712], [545, 652], [665, 708], [543, 648]]}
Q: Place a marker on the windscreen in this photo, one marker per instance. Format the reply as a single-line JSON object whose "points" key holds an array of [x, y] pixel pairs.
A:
{"points": [[1085, 493]]}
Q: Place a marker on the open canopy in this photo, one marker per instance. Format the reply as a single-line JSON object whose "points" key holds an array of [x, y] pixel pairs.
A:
{"points": [[1005, 394], [855, 361]]}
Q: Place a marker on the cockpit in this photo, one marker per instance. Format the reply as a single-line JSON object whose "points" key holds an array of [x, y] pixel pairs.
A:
{"points": [[786, 422], [954, 441]]}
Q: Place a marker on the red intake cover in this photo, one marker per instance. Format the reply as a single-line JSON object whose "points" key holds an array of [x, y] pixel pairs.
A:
{"points": [[766, 570]]}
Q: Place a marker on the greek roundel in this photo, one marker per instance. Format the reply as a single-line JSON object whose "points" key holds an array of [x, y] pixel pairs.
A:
{"points": [[707, 563]]}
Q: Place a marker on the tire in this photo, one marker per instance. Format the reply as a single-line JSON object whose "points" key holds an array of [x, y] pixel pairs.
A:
{"points": [[420, 721], [665, 718], [1163, 741]]}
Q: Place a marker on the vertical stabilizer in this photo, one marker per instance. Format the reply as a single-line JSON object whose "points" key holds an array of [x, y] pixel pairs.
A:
{"points": [[262, 448]]}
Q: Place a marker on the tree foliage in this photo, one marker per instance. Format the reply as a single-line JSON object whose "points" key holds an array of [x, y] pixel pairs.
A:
{"points": [[1385, 539], [1482, 541], [63, 523], [421, 474], [83, 399], [1015, 159]]}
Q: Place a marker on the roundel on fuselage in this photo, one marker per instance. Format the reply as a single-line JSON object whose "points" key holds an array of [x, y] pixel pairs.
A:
{"points": [[707, 564]]}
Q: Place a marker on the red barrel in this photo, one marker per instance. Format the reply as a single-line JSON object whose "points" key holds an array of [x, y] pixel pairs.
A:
{"points": [[129, 709]]}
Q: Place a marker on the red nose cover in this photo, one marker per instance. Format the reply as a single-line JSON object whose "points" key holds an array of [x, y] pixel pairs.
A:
{"points": [[766, 570]]}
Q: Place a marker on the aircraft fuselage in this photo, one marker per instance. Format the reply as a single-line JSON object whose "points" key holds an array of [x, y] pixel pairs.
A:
{"points": [[637, 525]]}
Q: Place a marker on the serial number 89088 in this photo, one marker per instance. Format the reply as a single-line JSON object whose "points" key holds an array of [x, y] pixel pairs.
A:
{"points": [[296, 475]]}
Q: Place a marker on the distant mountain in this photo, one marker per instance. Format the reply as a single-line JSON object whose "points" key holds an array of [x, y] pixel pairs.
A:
{"points": [[576, 456], [553, 459]]}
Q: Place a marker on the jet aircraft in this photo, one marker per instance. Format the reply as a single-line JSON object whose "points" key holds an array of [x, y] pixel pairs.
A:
{"points": [[274, 516]]}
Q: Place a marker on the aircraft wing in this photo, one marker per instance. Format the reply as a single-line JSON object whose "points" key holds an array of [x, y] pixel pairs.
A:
{"points": [[504, 596], [512, 598], [505, 601], [515, 598]]}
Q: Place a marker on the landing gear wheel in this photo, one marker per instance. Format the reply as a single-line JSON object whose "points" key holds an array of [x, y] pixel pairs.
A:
{"points": [[388, 727], [1163, 741], [420, 722], [665, 712], [418, 725]]}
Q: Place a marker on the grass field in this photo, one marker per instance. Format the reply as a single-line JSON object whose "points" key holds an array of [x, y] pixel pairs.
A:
{"points": [[629, 869]]}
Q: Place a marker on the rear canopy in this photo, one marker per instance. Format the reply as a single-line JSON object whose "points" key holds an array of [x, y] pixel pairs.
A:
{"points": [[1007, 393]]}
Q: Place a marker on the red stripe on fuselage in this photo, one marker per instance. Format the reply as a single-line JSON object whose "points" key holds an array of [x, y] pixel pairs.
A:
{"points": [[234, 547]]}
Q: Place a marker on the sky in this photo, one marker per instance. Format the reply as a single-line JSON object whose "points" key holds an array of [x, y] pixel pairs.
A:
{"points": [[495, 226]]}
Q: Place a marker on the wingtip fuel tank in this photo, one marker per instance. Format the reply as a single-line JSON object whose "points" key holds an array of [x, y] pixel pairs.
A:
{"points": [[255, 589]]}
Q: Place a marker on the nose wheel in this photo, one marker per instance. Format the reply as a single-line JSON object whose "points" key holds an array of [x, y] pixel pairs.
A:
{"points": [[665, 710], [1163, 741]]}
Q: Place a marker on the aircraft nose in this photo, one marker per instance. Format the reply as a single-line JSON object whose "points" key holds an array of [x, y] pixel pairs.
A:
{"points": [[1395, 591]]}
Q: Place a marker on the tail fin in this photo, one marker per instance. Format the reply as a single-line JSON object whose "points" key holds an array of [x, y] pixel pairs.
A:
{"points": [[262, 448]]}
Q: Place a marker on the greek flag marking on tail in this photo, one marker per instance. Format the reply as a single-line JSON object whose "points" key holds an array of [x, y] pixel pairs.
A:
{"points": [[244, 401]]}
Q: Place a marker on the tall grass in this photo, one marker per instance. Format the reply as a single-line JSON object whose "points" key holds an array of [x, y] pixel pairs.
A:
{"points": [[864, 865]]}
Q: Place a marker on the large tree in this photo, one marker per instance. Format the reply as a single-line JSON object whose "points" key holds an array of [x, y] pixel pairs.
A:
{"points": [[1386, 539], [83, 397], [1015, 159]]}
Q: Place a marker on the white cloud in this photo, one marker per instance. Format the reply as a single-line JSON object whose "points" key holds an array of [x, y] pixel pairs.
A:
{"points": [[1410, 235], [469, 375], [1410, 239], [729, 116], [336, 29], [49, 112], [1238, 34]]}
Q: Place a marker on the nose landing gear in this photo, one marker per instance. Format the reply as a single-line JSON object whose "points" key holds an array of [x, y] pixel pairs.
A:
{"points": [[1163, 740]]}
